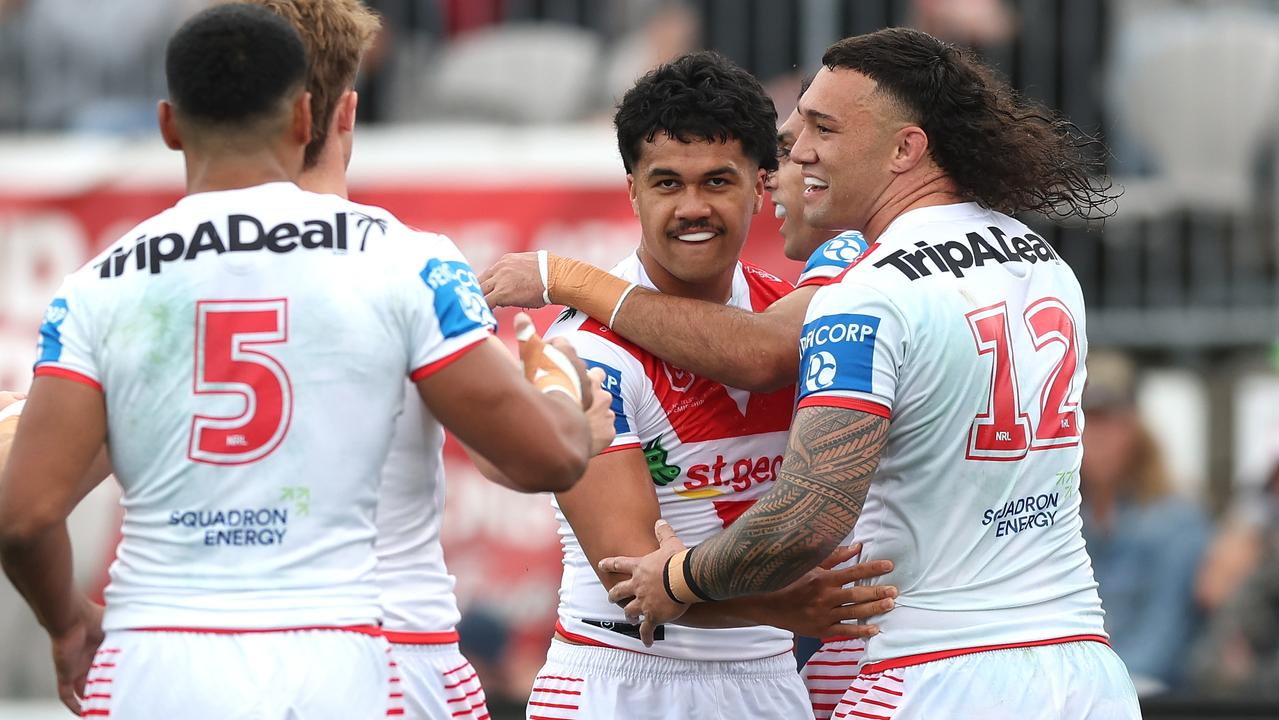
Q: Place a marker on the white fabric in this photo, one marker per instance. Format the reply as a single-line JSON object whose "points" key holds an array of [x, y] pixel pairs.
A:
{"points": [[984, 533], [829, 672], [580, 682], [1078, 680], [416, 587], [712, 451], [12, 410], [437, 682], [311, 311], [244, 676]]}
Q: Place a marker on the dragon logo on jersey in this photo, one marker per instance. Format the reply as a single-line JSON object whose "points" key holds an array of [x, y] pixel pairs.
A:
{"points": [[681, 380], [50, 345], [663, 474]]}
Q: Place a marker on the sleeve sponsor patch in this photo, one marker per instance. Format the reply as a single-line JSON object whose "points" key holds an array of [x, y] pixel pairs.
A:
{"points": [[459, 302], [50, 344], [833, 256], [837, 352], [613, 384]]}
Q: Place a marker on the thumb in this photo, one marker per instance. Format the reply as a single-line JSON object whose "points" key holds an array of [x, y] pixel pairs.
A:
{"points": [[596, 375], [666, 536], [531, 345]]}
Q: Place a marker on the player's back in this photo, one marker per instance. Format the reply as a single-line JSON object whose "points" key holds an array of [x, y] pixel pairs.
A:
{"points": [[966, 330], [252, 346]]}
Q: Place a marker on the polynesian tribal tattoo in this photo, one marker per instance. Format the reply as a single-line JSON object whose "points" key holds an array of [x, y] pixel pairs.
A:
{"points": [[830, 458]]}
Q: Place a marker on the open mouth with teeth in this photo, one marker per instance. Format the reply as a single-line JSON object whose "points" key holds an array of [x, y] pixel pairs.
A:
{"points": [[813, 186], [696, 237], [779, 210]]}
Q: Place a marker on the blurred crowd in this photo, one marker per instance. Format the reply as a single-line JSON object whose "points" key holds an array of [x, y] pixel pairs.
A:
{"points": [[1190, 583]]}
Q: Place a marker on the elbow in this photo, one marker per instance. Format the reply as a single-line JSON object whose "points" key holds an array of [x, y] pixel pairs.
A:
{"points": [[557, 470], [770, 373], [19, 531]]}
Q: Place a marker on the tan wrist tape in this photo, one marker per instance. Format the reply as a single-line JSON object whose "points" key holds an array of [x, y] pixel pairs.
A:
{"points": [[676, 580], [585, 287]]}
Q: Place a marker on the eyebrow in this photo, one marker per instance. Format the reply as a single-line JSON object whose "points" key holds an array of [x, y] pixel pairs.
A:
{"points": [[817, 115], [667, 172]]}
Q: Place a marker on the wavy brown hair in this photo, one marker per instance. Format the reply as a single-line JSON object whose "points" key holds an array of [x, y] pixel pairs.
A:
{"points": [[1004, 151]]}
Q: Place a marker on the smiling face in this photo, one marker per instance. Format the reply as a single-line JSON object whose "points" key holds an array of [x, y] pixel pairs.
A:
{"points": [[786, 185], [694, 201], [846, 148]]}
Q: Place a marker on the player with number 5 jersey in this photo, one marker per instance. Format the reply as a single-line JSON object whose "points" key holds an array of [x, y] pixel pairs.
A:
{"points": [[243, 354]]}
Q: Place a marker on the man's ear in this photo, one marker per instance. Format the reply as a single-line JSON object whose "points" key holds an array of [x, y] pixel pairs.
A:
{"points": [[911, 149], [761, 179], [300, 129], [630, 190], [344, 115], [168, 125]]}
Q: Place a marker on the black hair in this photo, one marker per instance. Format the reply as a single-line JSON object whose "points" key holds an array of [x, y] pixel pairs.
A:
{"points": [[1002, 150], [233, 63], [698, 96]]}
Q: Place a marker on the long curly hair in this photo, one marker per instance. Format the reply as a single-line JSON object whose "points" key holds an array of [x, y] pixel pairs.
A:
{"points": [[1004, 151]]}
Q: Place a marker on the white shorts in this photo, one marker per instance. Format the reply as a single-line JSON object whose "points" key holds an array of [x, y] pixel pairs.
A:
{"points": [[160, 675], [581, 682], [829, 672], [437, 682], [1078, 680]]}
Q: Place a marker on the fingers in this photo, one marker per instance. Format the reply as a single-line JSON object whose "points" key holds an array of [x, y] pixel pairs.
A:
{"points": [[621, 565], [583, 379], [862, 571], [549, 368], [530, 344], [666, 537], [841, 554], [9, 398], [622, 592], [634, 610], [851, 631], [863, 610], [648, 629], [66, 693], [514, 281]]}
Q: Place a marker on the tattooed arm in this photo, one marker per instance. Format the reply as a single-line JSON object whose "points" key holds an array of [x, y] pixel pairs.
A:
{"points": [[830, 459]]}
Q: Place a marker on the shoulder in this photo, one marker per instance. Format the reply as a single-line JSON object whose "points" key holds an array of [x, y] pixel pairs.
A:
{"points": [[829, 261], [765, 287], [589, 336]]}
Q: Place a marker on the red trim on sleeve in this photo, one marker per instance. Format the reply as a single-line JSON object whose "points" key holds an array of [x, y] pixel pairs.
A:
{"points": [[421, 638], [865, 406], [821, 280], [615, 448], [372, 630], [910, 660], [65, 374], [434, 367]]}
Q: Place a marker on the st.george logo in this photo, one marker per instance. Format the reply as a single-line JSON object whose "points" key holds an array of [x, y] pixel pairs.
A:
{"points": [[821, 370]]}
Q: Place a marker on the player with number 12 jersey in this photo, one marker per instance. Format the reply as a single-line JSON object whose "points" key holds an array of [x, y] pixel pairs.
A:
{"points": [[967, 330]]}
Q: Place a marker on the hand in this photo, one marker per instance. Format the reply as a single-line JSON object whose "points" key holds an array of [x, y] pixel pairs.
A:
{"points": [[8, 398], [817, 604], [514, 281], [73, 653], [600, 416], [554, 366], [643, 596]]}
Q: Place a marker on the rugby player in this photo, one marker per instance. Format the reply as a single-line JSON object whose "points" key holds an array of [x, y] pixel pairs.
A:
{"points": [[938, 401], [243, 352], [697, 137]]}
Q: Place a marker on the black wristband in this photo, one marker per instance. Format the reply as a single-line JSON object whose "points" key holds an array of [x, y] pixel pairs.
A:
{"points": [[666, 583], [688, 577]]}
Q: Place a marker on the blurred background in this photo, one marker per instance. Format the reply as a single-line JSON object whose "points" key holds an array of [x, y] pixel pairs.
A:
{"points": [[489, 120]]}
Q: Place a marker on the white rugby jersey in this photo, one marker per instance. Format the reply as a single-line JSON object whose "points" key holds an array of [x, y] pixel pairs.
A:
{"points": [[831, 258], [711, 451], [416, 587], [252, 346], [967, 331]]}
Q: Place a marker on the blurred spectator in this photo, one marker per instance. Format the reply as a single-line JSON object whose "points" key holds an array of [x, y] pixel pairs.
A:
{"points": [[1237, 549], [485, 641], [1145, 542], [1239, 653], [975, 23]]}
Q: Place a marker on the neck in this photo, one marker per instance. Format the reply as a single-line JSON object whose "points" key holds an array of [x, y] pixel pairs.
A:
{"points": [[213, 172], [934, 189], [717, 290], [328, 175]]}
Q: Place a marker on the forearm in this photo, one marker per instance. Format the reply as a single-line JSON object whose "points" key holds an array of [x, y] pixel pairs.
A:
{"points": [[818, 497], [753, 351], [746, 611], [40, 568]]}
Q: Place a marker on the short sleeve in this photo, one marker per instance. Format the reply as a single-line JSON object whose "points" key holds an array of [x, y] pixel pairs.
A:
{"points": [[851, 349], [65, 347], [832, 258], [623, 379], [448, 314]]}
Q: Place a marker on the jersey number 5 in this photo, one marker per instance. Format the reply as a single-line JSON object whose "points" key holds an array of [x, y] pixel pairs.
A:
{"points": [[1003, 431], [229, 361]]}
